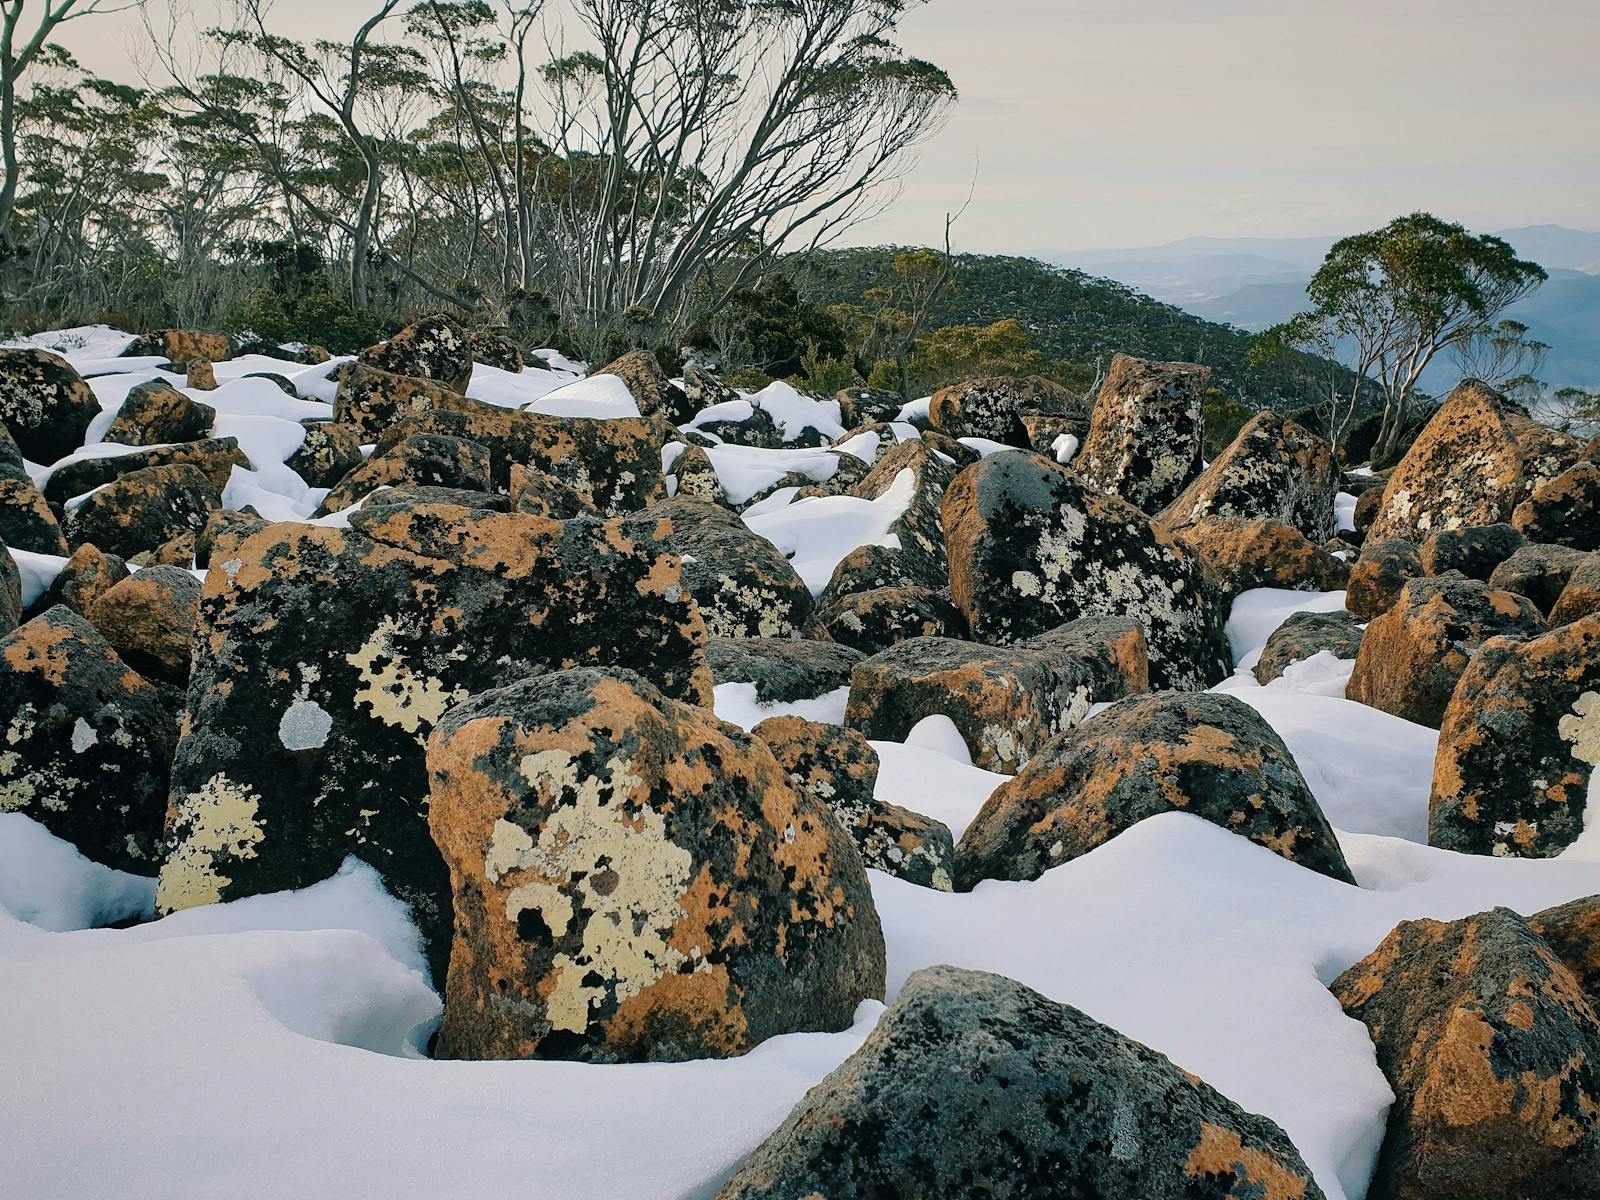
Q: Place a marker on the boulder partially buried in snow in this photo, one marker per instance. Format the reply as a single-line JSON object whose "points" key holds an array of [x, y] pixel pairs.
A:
{"points": [[432, 348], [214, 458], [994, 408], [156, 413], [1145, 438], [918, 474], [1494, 1056], [330, 451], [782, 670], [1209, 754], [26, 519], [1304, 634], [87, 741], [183, 346], [44, 403], [652, 391], [1032, 546], [88, 575], [974, 1085], [143, 509], [1518, 745], [635, 880]]}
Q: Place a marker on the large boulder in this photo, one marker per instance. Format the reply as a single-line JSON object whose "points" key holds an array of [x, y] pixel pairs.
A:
{"points": [[1275, 470], [875, 620], [1304, 634], [371, 400], [1240, 554], [743, 584], [634, 880], [1412, 656], [422, 460], [139, 511], [27, 522], [918, 475], [1494, 1057], [1581, 596], [1539, 572], [994, 408], [1518, 744], [1007, 701], [183, 346], [1565, 511], [149, 619], [324, 657], [330, 451], [1572, 931], [1145, 437], [87, 741], [1031, 546], [1208, 754], [89, 574], [44, 403], [215, 458], [782, 670], [973, 1085], [1474, 550], [1378, 576], [435, 347], [156, 413], [652, 391]]}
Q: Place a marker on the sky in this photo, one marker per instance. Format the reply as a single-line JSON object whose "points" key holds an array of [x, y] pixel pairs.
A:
{"points": [[1092, 124]]}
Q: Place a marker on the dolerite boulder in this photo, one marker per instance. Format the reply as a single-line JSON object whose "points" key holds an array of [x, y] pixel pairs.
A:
{"points": [[1207, 754], [1518, 745], [652, 391], [330, 451], [1412, 656], [149, 619], [875, 620], [10, 591], [1572, 931], [1581, 597], [634, 880], [424, 459], [972, 1085], [141, 510], [540, 495], [27, 521], [87, 741], [214, 458], [782, 670], [1474, 550], [1368, 505], [156, 413], [740, 423], [1565, 511], [225, 532], [44, 403], [89, 574], [1007, 701], [1144, 441], [866, 569], [493, 350], [839, 768], [1032, 546], [1304, 634], [1239, 555], [324, 657], [183, 346], [743, 584], [1378, 576], [916, 475], [1274, 469], [1539, 572], [433, 348], [371, 400], [1494, 1057], [993, 408], [864, 406], [703, 385], [697, 476]]}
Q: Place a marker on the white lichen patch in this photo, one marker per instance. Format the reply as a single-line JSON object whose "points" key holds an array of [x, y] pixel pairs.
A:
{"points": [[217, 823], [397, 695], [83, 736], [1581, 727], [305, 725]]}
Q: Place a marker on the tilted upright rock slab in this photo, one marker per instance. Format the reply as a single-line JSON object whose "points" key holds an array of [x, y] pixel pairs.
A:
{"points": [[652, 391], [914, 467], [635, 880], [141, 510], [1519, 742], [1572, 931], [1203, 753], [974, 1085], [324, 657], [1032, 546], [1145, 438], [1379, 575], [1494, 1056]]}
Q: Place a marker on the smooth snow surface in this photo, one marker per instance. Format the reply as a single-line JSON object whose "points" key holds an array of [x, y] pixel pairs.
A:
{"points": [[1257, 612], [816, 533], [736, 704]]}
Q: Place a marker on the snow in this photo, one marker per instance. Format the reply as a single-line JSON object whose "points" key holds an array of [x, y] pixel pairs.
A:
{"points": [[1259, 611], [38, 572], [1344, 512], [599, 396], [736, 704], [47, 883], [794, 413], [933, 783], [1065, 448], [745, 470], [817, 532]]}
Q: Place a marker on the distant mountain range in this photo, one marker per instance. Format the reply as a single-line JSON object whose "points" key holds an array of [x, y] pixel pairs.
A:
{"points": [[1251, 283]]}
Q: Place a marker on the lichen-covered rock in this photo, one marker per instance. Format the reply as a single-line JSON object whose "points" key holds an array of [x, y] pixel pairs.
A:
{"points": [[541, 495], [994, 408], [10, 591], [740, 423], [1144, 441], [703, 385], [1539, 572], [1007, 701], [492, 350], [1565, 511], [1274, 469], [1572, 931], [1379, 574], [26, 519], [214, 458], [837, 767], [1208, 754], [635, 880], [652, 391], [1581, 597], [918, 475], [1474, 550], [1518, 745], [1494, 1057], [44, 403], [1239, 555], [697, 476], [183, 346], [372, 400], [200, 376], [331, 450], [433, 348], [156, 413], [1412, 656], [423, 459], [783, 670], [324, 657], [89, 574], [866, 569], [142, 509], [149, 619], [87, 741], [1304, 634], [1031, 546], [866, 405], [1368, 505], [875, 620], [972, 1085]]}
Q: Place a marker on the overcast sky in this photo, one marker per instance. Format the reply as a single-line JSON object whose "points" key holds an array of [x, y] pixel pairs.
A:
{"points": [[1109, 123]]}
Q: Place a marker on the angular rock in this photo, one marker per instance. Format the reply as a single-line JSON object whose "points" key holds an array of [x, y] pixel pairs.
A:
{"points": [[1494, 1057], [423, 459], [224, 533], [1144, 442], [142, 509], [1207, 754], [10, 591], [26, 519], [1565, 511], [1379, 575], [89, 574], [149, 619], [1539, 572], [433, 348], [495, 351], [697, 476], [974, 1085], [866, 569], [156, 413], [866, 405], [215, 458], [44, 403], [783, 670], [1474, 550], [372, 400], [331, 450], [652, 391], [917, 473], [994, 408], [1304, 634], [183, 346], [201, 376], [1239, 555], [1581, 597], [1274, 469], [875, 620], [1572, 931], [743, 584], [636, 881], [1368, 505], [540, 495]]}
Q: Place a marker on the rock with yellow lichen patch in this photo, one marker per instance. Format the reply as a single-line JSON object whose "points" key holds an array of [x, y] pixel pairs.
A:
{"points": [[436, 348], [1378, 576], [44, 403], [919, 530], [215, 458], [89, 574], [974, 1085], [1493, 1053], [1572, 931], [652, 391], [149, 620], [370, 400], [330, 451], [1412, 656], [1581, 595], [1145, 437], [1565, 511], [137, 512], [1304, 634], [156, 413], [27, 521], [635, 880], [422, 460], [1031, 546], [994, 408], [782, 670], [1007, 701], [1539, 572], [87, 742], [697, 476], [1518, 745], [183, 346], [538, 494], [1207, 754], [1240, 554], [1273, 470], [873, 621]]}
